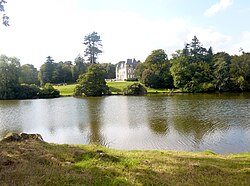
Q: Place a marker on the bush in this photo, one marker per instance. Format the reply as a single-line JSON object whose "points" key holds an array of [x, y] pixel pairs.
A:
{"points": [[132, 79], [28, 91], [48, 91], [135, 89], [77, 91], [92, 83], [204, 87]]}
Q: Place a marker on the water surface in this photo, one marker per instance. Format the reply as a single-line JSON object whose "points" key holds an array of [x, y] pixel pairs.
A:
{"points": [[189, 122]]}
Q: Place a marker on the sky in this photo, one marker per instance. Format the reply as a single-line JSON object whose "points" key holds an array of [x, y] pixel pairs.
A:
{"points": [[128, 28]]}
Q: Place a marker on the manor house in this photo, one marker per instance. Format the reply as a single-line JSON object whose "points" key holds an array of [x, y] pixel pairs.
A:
{"points": [[125, 69]]}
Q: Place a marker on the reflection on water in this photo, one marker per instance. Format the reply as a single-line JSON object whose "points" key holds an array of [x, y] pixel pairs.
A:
{"points": [[192, 122], [94, 111]]}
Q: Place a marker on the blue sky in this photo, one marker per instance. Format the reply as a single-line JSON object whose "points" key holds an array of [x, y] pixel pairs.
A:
{"points": [[128, 28]]}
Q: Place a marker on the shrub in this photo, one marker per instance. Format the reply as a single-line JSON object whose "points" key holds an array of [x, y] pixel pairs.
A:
{"points": [[132, 79], [28, 91], [204, 87], [135, 89], [77, 91], [92, 83], [48, 91]]}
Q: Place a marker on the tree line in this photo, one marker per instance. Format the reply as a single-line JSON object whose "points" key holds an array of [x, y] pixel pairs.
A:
{"points": [[68, 72], [196, 69], [14, 76], [191, 69], [16, 84], [24, 81]]}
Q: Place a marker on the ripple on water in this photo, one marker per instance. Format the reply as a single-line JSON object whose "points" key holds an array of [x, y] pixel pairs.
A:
{"points": [[181, 122]]}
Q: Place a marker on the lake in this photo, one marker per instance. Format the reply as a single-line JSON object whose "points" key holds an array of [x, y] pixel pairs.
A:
{"points": [[186, 122]]}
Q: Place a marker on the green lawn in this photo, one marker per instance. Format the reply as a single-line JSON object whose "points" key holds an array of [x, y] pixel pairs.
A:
{"points": [[39, 163], [66, 90], [116, 87]]}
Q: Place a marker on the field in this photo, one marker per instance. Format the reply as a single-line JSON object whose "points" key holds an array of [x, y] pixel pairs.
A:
{"points": [[34, 162], [66, 90], [116, 87]]}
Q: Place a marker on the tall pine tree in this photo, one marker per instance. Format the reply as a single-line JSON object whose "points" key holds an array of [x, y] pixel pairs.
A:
{"points": [[93, 44]]}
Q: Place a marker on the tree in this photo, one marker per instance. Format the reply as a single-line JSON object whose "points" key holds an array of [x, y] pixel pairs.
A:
{"points": [[25, 91], [221, 71], [62, 72], [110, 70], [240, 71], [156, 70], [93, 44], [191, 67], [28, 74], [80, 67], [48, 91], [148, 78], [9, 77], [46, 71], [4, 17], [135, 89], [92, 83], [139, 70]]}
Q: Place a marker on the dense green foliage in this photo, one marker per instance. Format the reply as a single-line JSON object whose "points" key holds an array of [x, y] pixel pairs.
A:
{"points": [[196, 69], [68, 72], [110, 70], [28, 91], [192, 69], [155, 71], [92, 83], [221, 71], [11, 77], [51, 72], [135, 89], [28, 75], [78, 68], [240, 71], [48, 91], [46, 71]]}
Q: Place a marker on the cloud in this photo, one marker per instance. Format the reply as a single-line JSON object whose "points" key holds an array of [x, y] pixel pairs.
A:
{"points": [[210, 37], [221, 5], [58, 31], [243, 43]]}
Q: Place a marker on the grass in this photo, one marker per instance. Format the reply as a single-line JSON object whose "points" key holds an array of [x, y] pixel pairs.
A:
{"points": [[39, 163], [116, 87], [66, 90]]}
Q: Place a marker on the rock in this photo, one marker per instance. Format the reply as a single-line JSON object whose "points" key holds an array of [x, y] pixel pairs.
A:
{"points": [[26, 136], [12, 137], [22, 137]]}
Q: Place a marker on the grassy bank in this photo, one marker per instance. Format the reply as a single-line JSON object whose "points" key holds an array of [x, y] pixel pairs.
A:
{"points": [[116, 87], [38, 163], [66, 90]]}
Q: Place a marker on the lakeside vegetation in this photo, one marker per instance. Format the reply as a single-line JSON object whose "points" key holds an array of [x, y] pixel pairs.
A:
{"points": [[116, 88], [32, 162], [191, 69]]}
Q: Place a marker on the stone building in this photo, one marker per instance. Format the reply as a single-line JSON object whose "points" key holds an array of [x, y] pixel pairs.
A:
{"points": [[125, 69]]}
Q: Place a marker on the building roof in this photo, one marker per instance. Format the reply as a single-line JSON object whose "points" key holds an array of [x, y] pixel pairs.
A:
{"points": [[129, 62]]}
